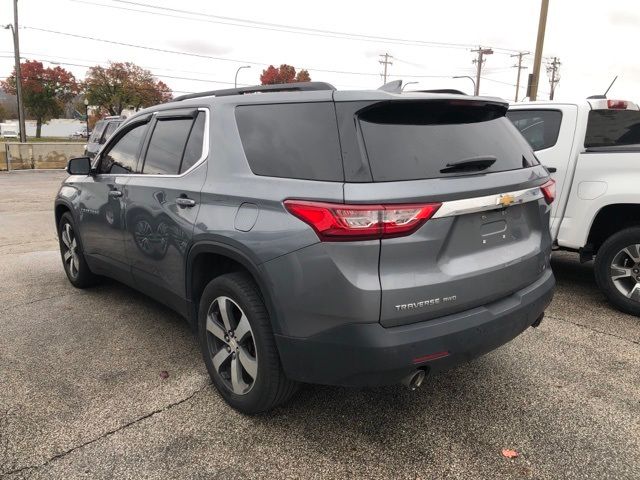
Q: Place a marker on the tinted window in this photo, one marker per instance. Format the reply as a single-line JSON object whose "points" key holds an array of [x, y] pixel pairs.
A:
{"points": [[167, 146], [608, 128], [193, 151], [122, 156], [539, 127], [294, 140], [97, 132], [111, 127], [416, 140]]}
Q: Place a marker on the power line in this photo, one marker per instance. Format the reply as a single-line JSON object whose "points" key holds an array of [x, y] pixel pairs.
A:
{"points": [[553, 70], [211, 57], [248, 23]]}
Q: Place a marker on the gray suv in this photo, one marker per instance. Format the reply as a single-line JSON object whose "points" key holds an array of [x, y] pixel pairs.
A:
{"points": [[354, 238]]}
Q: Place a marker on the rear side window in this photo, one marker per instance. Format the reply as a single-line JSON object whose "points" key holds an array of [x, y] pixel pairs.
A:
{"points": [[166, 146], [416, 140], [175, 145], [111, 127], [612, 128], [97, 132], [291, 140], [539, 127]]}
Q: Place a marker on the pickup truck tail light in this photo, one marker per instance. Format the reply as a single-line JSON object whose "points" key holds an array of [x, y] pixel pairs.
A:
{"points": [[336, 222], [549, 191]]}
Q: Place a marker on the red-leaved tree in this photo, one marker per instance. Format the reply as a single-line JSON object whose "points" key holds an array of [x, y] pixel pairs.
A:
{"points": [[124, 85], [283, 74], [44, 90]]}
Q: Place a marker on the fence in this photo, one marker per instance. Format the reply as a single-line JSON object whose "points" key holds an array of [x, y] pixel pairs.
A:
{"points": [[26, 156]]}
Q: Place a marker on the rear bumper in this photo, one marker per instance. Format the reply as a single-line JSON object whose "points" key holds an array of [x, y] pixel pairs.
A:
{"points": [[370, 354]]}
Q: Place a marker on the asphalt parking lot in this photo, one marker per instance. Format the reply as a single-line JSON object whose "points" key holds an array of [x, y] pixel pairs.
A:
{"points": [[81, 395]]}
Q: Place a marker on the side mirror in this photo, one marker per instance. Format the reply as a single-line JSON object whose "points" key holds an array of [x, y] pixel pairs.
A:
{"points": [[79, 166]]}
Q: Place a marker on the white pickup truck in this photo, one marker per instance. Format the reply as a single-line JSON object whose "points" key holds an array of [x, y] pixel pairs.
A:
{"points": [[592, 149]]}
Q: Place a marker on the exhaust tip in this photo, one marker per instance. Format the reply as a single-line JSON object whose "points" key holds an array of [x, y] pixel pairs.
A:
{"points": [[538, 321], [414, 380]]}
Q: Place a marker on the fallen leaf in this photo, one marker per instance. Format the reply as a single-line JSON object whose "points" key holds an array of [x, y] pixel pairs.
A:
{"points": [[164, 374], [509, 453]]}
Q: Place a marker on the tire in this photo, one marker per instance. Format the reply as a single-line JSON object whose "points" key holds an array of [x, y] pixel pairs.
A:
{"points": [[617, 270], [73, 261], [241, 298]]}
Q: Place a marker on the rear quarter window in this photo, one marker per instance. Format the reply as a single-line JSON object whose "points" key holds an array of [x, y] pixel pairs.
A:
{"points": [[417, 140], [539, 127], [291, 140], [612, 128]]}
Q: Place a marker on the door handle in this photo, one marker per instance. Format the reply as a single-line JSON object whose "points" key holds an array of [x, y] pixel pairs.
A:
{"points": [[185, 202], [115, 193]]}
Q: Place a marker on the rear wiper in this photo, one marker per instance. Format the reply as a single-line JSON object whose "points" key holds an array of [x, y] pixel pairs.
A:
{"points": [[472, 164]]}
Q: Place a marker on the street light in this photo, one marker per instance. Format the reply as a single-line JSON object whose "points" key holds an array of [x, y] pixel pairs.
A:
{"points": [[470, 78], [86, 114], [235, 82]]}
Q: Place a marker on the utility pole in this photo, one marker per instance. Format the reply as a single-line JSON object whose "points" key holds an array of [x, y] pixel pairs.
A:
{"points": [[519, 67], [537, 58], [553, 71], [16, 52], [386, 62], [479, 61]]}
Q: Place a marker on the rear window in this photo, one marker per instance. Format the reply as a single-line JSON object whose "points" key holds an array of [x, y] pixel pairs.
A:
{"points": [[416, 140], [97, 132], [539, 127], [612, 128], [291, 140]]}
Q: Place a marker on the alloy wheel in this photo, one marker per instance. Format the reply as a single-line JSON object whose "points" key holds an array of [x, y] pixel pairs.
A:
{"points": [[231, 345], [70, 251], [625, 272]]}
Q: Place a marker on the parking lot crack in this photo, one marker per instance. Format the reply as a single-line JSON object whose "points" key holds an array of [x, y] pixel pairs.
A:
{"points": [[104, 435], [587, 327]]}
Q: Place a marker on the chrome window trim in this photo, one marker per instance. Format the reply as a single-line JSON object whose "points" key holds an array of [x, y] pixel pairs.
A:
{"points": [[488, 202], [203, 157]]}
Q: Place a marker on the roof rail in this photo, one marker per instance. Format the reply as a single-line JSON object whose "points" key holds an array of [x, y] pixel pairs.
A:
{"points": [[279, 87]]}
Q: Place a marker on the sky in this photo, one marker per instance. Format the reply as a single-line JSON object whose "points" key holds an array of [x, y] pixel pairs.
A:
{"points": [[430, 41]]}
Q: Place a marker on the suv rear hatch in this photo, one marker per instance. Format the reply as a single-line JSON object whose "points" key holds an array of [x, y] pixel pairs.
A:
{"points": [[489, 236]]}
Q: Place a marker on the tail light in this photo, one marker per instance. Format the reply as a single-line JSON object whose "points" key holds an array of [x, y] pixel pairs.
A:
{"points": [[340, 222], [549, 191]]}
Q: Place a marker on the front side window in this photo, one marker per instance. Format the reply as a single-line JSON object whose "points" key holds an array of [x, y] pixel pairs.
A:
{"points": [[539, 127], [122, 156]]}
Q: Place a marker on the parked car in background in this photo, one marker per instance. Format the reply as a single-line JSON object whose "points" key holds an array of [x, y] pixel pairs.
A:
{"points": [[102, 131], [12, 134], [311, 235], [592, 149], [83, 133]]}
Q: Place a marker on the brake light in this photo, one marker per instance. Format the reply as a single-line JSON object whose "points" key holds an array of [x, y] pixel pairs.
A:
{"points": [[617, 104], [549, 191], [340, 222]]}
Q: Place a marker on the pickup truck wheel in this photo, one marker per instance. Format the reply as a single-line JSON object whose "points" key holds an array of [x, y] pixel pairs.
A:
{"points": [[238, 346], [75, 266], [617, 270]]}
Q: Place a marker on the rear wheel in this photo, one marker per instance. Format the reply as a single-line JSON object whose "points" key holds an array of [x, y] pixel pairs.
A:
{"points": [[617, 270], [75, 265], [238, 345]]}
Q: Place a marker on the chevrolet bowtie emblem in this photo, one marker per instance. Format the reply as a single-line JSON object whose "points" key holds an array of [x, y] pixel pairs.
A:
{"points": [[506, 200]]}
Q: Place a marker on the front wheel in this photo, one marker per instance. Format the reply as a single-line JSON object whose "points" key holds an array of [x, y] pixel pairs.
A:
{"points": [[75, 265], [238, 346], [617, 270]]}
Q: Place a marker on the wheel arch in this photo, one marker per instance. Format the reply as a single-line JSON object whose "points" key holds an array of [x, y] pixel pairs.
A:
{"points": [[611, 219], [227, 258]]}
